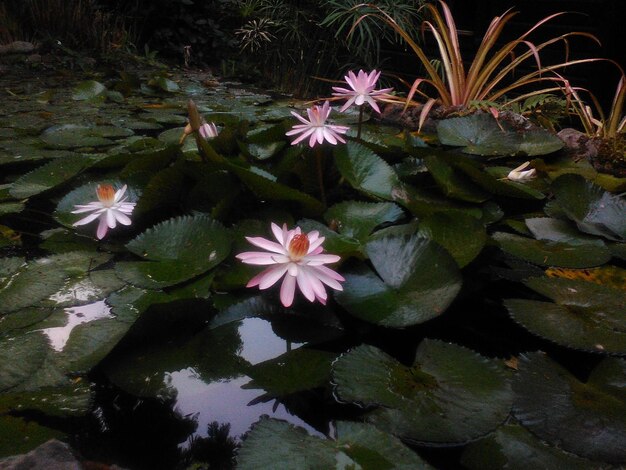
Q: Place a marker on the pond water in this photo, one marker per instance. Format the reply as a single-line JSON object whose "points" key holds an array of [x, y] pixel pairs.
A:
{"points": [[472, 306]]}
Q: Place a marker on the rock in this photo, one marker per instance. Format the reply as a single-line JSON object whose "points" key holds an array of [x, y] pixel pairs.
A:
{"points": [[578, 144], [53, 455], [17, 47]]}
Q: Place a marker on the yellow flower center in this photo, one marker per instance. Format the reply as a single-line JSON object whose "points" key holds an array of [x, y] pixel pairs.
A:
{"points": [[298, 246], [106, 194]]}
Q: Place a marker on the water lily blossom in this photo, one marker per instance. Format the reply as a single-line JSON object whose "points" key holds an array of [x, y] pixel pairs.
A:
{"points": [[316, 127], [110, 208], [299, 258], [206, 130], [519, 174], [361, 90]]}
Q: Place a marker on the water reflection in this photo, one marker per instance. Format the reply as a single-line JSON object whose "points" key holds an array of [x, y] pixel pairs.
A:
{"points": [[58, 336], [224, 400]]}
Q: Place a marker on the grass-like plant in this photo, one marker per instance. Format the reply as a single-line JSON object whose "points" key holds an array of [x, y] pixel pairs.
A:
{"points": [[489, 76], [609, 126]]}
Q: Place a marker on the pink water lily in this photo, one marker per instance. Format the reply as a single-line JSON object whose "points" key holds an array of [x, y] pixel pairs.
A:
{"points": [[110, 208], [361, 90], [299, 258], [317, 128], [207, 130]]}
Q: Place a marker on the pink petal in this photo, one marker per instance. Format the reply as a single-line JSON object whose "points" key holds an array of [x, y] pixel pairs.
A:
{"points": [[86, 220], [110, 218], [102, 228], [287, 290], [272, 275], [267, 245], [121, 218], [305, 285], [317, 260]]}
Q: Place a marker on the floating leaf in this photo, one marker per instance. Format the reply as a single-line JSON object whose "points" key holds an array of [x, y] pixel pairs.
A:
{"points": [[294, 371], [546, 253], [463, 236], [282, 446], [19, 435], [587, 419], [594, 210], [88, 90], [453, 183], [38, 279], [417, 280], [50, 175], [482, 134], [164, 84], [358, 219], [584, 316], [449, 395], [513, 447], [68, 136]]}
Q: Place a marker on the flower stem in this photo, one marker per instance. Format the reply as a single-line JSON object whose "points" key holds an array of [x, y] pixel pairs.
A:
{"points": [[358, 132], [319, 157]]}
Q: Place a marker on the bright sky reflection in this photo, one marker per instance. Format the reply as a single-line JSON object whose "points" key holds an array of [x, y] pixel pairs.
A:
{"points": [[59, 336], [225, 401]]}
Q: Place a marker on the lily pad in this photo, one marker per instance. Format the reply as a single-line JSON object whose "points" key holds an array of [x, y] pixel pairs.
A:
{"points": [[482, 134], [548, 253], [50, 175], [454, 183], [27, 284], [586, 419], [585, 315], [294, 371], [177, 250], [282, 446], [88, 90], [69, 136], [449, 395], [416, 280], [463, 236], [358, 219], [594, 210], [513, 447]]}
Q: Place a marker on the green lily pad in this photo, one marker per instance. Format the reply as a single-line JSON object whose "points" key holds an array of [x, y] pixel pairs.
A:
{"points": [[177, 250], [449, 395], [19, 436], [482, 134], [50, 175], [29, 283], [586, 419], [453, 183], [416, 280], [164, 84], [594, 210], [185, 238], [88, 90], [513, 447], [334, 242], [294, 371], [358, 219], [462, 235], [548, 253], [585, 315], [21, 358], [282, 446], [558, 230], [68, 136], [72, 400], [11, 208], [366, 171]]}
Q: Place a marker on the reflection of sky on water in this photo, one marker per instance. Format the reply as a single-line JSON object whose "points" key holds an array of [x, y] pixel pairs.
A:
{"points": [[59, 336], [225, 401]]}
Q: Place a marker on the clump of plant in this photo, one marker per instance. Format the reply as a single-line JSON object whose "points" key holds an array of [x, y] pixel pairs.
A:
{"points": [[76, 24], [607, 131], [490, 76]]}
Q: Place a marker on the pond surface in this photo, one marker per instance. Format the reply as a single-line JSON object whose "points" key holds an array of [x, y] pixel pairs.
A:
{"points": [[472, 307]]}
